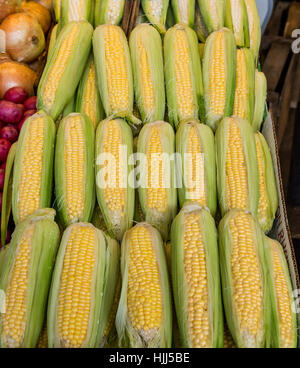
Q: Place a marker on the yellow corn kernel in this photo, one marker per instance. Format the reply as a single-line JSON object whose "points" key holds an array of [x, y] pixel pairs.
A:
{"points": [[263, 199], [246, 276], [236, 169], [32, 166], [43, 339], [196, 278], [90, 96], [14, 320], [144, 295], [75, 300], [114, 194], [58, 67], [156, 191], [116, 70], [74, 157], [241, 93], [217, 82]]}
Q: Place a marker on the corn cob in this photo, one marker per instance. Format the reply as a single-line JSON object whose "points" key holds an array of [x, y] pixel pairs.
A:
{"points": [[33, 166], [157, 191], [7, 192], [183, 75], [64, 68], [254, 27], [144, 316], [284, 326], [43, 339], [88, 99], [260, 99], [268, 197], [200, 26], [114, 72], [156, 12], [98, 220], [244, 282], [236, 19], [115, 192], [184, 11], [147, 62], [76, 10], [73, 169], [52, 41], [25, 279], [219, 68], [57, 6], [79, 300], [245, 84], [109, 11], [237, 168], [196, 165], [196, 279], [212, 13]]}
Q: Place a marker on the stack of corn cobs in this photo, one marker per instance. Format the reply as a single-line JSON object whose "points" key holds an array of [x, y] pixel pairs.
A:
{"points": [[140, 177]]}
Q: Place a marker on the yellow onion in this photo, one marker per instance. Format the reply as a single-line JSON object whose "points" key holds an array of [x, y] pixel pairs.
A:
{"points": [[8, 7], [46, 3], [39, 12]]}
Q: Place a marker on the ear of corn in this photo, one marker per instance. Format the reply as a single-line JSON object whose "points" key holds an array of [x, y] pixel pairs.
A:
{"points": [[184, 11], [144, 316], [245, 85], [268, 197], [88, 99], [213, 14], [7, 192], [52, 41], [200, 26], [197, 167], [156, 12], [75, 11], [147, 62], [260, 99], [237, 168], [236, 19], [33, 166], [69, 108], [25, 279], [284, 324], [228, 340], [244, 283], [109, 11], [64, 67], [254, 27], [219, 76], [183, 75], [43, 338], [157, 191], [115, 193], [57, 6], [196, 279], [74, 171], [76, 297]]}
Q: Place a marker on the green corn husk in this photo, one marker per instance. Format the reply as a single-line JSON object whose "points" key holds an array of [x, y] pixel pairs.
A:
{"points": [[69, 108], [184, 92], [190, 252], [98, 220], [196, 166], [146, 53], [268, 196], [88, 99], [260, 100], [99, 263], [33, 248], [57, 9], [229, 182], [244, 273], [284, 319], [64, 68], [74, 169], [115, 192], [108, 11], [130, 332], [75, 11], [170, 20], [254, 27], [32, 183], [156, 12], [219, 89], [236, 19], [52, 41], [200, 27], [213, 14], [184, 11], [157, 190]]}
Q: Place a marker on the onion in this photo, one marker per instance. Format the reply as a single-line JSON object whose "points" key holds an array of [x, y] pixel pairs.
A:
{"points": [[46, 3], [16, 95], [8, 7], [25, 38], [39, 12], [15, 74]]}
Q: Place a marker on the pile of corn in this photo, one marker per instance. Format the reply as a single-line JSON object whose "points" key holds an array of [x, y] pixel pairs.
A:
{"points": [[67, 280]]}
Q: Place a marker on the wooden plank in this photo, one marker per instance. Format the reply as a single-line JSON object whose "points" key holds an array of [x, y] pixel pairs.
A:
{"points": [[294, 220], [274, 25], [268, 40], [273, 104], [293, 20]]}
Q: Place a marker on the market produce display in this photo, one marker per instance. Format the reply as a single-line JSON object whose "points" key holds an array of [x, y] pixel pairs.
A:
{"points": [[162, 187]]}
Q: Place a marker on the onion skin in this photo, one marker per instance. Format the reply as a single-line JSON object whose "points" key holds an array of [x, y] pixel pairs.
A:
{"points": [[13, 74], [39, 12], [46, 3], [8, 7], [25, 39]]}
